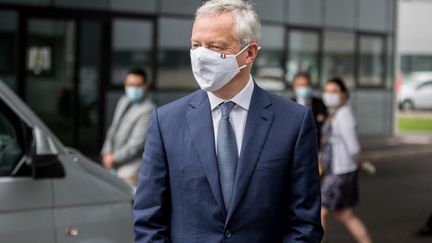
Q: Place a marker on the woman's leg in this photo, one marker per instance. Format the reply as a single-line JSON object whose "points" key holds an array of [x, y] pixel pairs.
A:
{"points": [[354, 225], [324, 215]]}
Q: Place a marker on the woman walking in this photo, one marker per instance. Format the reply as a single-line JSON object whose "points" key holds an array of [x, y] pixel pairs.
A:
{"points": [[339, 148]]}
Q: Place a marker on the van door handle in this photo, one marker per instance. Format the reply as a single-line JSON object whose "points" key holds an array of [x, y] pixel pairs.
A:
{"points": [[71, 232]]}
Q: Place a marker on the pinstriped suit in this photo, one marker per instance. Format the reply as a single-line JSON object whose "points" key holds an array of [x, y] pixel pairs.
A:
{"points": [[276, 191]]}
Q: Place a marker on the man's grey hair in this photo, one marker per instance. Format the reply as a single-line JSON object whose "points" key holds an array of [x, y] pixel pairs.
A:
{"points": [[248, 26]]}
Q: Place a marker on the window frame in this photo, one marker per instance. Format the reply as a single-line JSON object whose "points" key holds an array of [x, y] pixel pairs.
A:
{"points": [[325, 52], [283, 50], [110, 43], [319, 57], [357, 62]]}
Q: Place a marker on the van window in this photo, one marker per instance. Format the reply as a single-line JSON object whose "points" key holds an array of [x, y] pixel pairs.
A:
{"points": [[11, 140]]}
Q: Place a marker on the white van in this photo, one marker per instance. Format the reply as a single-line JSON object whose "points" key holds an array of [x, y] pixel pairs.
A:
{"points": [[53, 194]]}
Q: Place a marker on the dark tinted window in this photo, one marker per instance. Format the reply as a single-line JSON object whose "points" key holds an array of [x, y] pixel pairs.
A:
{"points": [[11, 140]]}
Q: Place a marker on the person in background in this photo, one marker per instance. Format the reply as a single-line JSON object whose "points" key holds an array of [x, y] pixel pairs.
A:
{"points": [[302, 85], [338, 155], [124, 143]]}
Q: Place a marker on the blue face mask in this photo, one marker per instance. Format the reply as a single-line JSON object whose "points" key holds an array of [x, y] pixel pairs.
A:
{"points": [[303, 92], [134, 93]]}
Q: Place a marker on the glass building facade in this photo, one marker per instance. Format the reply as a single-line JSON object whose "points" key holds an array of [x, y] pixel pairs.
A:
{"points": [[67, 58]]}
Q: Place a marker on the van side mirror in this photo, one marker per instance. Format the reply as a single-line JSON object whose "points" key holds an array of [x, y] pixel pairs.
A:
{"points": [[45, 162]]}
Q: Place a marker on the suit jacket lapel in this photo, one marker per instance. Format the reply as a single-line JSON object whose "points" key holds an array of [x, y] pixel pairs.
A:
{"points": [[200, 123], [258, 124], [123, 103]]}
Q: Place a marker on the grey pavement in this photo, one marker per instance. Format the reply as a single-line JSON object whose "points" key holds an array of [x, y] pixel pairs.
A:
{"points": [[395, 202], [401, 146]]}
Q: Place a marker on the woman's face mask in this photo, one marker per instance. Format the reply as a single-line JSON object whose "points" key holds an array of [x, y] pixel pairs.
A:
{"points": [[332, 100], [213, 70]]}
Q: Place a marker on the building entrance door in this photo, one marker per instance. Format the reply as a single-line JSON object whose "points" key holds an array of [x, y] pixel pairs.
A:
{"points": [[62, 82]]}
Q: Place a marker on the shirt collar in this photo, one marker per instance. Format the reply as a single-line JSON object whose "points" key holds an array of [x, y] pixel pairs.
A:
{"points": [[242, 99], [304, 101]]}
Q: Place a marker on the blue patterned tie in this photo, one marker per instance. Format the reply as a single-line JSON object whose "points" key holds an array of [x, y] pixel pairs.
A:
{"points": [[227, 153]]}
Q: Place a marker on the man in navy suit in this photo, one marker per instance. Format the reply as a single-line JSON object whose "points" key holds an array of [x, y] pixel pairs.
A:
{"points": [[230, 162]]}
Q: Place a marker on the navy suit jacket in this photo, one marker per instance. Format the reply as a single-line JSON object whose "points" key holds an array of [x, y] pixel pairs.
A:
{"points": [[276, 190]]}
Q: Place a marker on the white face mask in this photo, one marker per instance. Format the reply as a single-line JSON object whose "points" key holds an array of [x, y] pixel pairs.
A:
{"points": [[332, 100], [213, 70]]}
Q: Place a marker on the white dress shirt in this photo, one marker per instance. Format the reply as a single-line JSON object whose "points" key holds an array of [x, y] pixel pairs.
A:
{"points": [[238, 114]]}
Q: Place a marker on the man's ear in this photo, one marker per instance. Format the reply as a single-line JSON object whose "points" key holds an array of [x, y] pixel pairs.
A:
{"points": [[252, 52]]}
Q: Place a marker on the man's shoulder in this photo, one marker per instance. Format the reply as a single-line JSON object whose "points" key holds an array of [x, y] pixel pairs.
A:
{"points": [[122, 100], [284, 104], [146, 105], [178, 106]]}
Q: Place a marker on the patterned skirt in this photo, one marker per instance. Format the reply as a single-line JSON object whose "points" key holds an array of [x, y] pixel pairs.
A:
{"points": [[339, 191]]}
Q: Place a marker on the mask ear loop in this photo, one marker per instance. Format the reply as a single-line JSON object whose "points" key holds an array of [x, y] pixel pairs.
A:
{"points": [[242, 50]]}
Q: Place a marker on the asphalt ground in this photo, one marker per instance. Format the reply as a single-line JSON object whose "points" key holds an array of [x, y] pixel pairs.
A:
{"points": [[396, 201]]}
